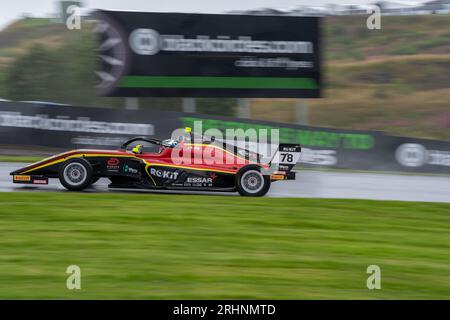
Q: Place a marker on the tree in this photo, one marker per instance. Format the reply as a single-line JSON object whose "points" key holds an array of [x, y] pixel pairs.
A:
{"points": [[33, 75]]}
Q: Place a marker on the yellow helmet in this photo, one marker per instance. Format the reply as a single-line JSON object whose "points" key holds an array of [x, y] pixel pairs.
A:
{"points": [[137, 149]]}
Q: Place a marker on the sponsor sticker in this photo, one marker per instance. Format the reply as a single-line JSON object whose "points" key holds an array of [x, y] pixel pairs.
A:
{"points": [[196, 181], [40, 181], [113, 164], [170, 175], [277, 177], [199, 180], [22, 178], [128, 169]]}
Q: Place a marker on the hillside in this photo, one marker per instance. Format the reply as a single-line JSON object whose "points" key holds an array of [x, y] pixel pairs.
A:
{"points": [[396, 79], [21, 35]]}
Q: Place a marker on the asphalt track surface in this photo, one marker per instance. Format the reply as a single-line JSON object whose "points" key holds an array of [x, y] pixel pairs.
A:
{"points": [[309, 184]]}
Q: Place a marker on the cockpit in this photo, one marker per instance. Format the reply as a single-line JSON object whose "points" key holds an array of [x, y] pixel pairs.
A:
{"points": [[142, 145], [169, 143]]}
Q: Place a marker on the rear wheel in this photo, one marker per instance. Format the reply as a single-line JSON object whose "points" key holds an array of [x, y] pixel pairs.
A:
{"points": [[252, 183], [75, 174]]}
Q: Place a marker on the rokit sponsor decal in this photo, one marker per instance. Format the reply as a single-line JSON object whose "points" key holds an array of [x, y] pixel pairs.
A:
{"points": [[113, 164], [164, 174]]}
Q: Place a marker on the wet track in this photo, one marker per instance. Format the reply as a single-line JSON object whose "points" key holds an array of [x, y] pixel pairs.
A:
{"points": [[309, 184]]}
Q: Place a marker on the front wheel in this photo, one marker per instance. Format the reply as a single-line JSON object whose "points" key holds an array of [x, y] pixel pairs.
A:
{"points": [[252, 183], [75, 174]]}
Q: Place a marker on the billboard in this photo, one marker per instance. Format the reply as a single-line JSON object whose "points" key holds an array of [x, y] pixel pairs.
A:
{"points": [[207, 55]]}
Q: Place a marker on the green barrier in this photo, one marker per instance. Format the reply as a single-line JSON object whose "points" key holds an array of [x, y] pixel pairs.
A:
{"points": [[311, 138]]}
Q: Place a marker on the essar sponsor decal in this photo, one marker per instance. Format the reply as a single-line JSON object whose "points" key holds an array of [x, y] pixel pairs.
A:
{"points": [[198, 181]]}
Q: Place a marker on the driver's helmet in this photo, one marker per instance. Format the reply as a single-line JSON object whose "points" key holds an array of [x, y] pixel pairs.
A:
{"points": [[137, 149], [169, 143]]}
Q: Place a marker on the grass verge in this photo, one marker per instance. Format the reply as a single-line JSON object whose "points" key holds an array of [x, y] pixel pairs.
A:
{"points": [[207, 247]]}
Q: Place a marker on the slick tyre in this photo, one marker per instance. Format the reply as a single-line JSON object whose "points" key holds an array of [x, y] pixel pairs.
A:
{"points": [[75, 174], [251, 182]]}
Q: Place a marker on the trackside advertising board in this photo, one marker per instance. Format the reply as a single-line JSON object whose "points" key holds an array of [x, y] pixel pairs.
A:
{"points": [[26, 125], [67, 127], [208, 55]]}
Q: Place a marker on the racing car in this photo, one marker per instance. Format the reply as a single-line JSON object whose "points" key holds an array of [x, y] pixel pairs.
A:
{"points": [[171, 164]]}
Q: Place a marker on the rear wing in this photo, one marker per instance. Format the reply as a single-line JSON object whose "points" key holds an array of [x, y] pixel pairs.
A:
{"points": [[285, 157]]}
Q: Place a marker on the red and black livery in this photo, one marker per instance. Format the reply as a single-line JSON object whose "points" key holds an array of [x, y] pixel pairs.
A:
{"points": [[172, 165]]}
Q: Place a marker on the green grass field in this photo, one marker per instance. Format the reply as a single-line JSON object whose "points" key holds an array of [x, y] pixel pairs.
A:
{"points": [[151, 246]]}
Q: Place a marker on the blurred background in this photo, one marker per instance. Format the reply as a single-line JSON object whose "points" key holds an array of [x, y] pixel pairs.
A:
{"points": [[395, 79], [385, 107]]}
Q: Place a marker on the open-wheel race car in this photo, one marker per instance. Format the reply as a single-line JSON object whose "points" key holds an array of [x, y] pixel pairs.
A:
{"points": [[169, 164]]}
